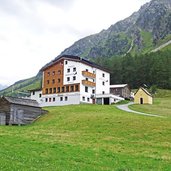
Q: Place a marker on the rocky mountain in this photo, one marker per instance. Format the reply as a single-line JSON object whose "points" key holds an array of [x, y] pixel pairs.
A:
{"points": [[147, 30], [142, 32]]}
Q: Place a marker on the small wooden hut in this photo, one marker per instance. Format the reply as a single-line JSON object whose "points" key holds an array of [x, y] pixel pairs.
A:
{"points": [[18, 111], [142, 96]]}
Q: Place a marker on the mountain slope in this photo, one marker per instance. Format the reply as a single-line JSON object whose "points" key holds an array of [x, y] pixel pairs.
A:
{"points": [[142, 32], [21, 87]]}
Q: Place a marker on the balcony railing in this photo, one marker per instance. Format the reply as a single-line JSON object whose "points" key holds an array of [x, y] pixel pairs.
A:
{"points": [[88, 83], [88, 74]]}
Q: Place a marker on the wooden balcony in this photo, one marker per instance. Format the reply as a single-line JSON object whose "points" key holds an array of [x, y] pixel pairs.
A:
{"points": [[88, 74], [88, 83]]}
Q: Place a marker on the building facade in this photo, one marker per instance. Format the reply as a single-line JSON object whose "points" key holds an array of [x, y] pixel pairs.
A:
{"points": [[121, 90], [71, 80], [142, 96]]}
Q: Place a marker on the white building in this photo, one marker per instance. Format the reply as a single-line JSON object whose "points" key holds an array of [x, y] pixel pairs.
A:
{"points": [[72, 80]]}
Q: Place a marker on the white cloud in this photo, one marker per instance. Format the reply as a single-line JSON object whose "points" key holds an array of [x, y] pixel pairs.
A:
{"points": [[33, 32]]}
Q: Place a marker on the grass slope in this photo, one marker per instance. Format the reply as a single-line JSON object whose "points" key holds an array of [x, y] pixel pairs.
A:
{"points": [[87, 137], [21, 88], [161, 104]]}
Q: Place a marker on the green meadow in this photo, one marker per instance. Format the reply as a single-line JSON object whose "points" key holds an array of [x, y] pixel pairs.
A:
{"points": [[89, 138]]}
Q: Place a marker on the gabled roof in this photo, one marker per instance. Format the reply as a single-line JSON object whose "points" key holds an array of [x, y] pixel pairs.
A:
{"points": [[73, 58], [118, 86], [37, 89], [21, 101], [144, 91]]}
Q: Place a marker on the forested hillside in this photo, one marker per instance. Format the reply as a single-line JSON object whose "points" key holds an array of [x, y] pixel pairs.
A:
{"points": [[150, 69]]}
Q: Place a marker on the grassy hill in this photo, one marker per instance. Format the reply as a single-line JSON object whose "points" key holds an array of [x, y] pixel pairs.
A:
{"points": [[21, 87], [161, 104], [87, 137]]}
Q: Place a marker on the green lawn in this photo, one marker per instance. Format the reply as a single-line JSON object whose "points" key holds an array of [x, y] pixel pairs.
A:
{"points": [[161, 104], [88, 138]]}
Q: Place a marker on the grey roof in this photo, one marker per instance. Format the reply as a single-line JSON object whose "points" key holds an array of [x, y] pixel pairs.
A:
{"points": [[21, 101], [144, 91], [74, 58], [118, 85]]}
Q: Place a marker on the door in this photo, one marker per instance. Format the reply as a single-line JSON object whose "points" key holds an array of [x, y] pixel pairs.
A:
{"points": [[141, 100], [106, 101]]}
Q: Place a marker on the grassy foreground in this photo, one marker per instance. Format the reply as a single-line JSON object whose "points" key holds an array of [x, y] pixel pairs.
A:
{"points": [[88, 138]]}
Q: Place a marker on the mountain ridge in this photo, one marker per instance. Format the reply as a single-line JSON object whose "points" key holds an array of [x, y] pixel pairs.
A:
{"points": [[145, 31], [153, 18]]}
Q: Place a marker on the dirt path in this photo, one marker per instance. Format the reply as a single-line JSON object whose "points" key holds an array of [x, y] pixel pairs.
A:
{"points": [[125, 107]]}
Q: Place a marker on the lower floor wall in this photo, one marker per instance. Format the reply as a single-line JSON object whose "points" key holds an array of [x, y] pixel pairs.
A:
{"points": [[60, 100], [65, 99]]}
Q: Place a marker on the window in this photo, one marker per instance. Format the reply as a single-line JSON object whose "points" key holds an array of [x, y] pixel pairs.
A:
{"points": [[46, 100], [83, 98], [68, 70], [72, 88], [59, 72], [53, 81], [88, 99], [48, 73], [76, 88], [50, 99], [54, 90], [46, 91], [103, 92], [93, 91], [53, 99], [66, 98], [33, 92], [74, 69], [63, 89], [86, 89], [53, 73], [47, 81], [61, 98], [103, 75], [74, 78], [103, 83], [68, 78], [86, 79], [50, 90], [59, 90], [67, 88], [40, 95], [66, 62], [59, 80]]}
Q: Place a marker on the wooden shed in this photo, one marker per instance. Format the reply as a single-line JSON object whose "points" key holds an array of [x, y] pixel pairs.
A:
{"points": [[122, 90], [18, 111], [142, 96]]}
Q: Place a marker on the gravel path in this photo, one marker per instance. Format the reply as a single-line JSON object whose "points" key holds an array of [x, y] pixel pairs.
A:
{"points": [[125, 108]]}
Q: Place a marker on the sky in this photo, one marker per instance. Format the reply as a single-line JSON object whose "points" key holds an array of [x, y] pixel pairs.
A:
{"points": [[33, 32]]}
